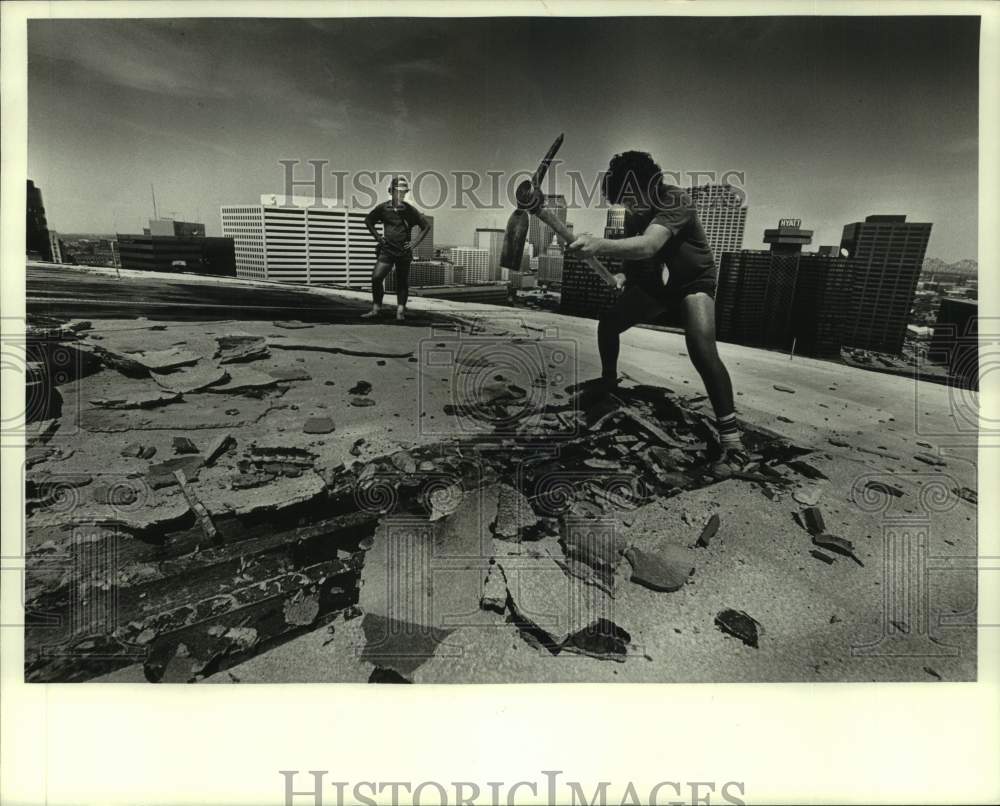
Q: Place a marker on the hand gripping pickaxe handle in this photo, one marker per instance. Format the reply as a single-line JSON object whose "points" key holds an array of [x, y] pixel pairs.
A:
{"points": [[529, 197]]}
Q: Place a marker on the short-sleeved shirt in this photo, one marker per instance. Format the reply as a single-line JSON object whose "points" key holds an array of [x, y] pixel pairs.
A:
{"points": [[397, 223], [686, 253]]}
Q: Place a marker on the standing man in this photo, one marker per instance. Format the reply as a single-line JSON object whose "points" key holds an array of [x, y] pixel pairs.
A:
{"points": [[395, 249], [668, 266]]}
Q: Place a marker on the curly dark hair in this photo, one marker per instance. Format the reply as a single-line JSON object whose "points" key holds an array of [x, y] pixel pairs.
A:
{"points": [[632, 175]]}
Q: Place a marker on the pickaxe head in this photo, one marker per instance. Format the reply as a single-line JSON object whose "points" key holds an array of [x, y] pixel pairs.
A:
{"points": [[529, 199]]}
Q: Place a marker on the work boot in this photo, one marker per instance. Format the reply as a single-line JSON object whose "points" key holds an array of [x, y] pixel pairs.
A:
{"points": [[372, 314]]}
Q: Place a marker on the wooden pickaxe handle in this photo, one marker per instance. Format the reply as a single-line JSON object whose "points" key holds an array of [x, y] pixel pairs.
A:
{"points": [[546, 216]]}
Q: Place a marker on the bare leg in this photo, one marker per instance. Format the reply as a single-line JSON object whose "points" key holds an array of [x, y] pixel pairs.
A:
{"points": [[633, 307], [698, 311], [382, 269], [699, 333]]}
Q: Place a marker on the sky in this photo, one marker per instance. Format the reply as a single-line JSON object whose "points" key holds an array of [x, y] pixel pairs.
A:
{"points": [[826, 119]]}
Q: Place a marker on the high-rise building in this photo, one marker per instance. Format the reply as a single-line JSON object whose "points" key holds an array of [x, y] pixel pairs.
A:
{"points": [[522, 281], [429, 272], [723, 216], [584, 293], [475, 262], [180, 253], [492, 241], [955, 342], [425, 251], [90, 251], [614, 227], [889, 252], [36, 237], [297, 239], [539, 234], [550, 265], [168, 227], [784, 297]]}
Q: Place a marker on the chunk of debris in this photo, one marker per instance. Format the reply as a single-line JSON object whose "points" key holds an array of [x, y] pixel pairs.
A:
{"points": [[356, 447], [932, 672], [782, 418], [839, 442], [813, 519], [361, 402], [291, 324], [708, 531], [549, 606], [597, 546], [603, 640], [218, 446], [837, 544], [404, 462], [930, 459], [383, 675], [665, 570], [301, 609], [184, 445], [601, 464], [246, 481], [117, 495], [494, 590], [740, 625], [885, 454], [194, 378], [242, 379], [318, 425], [808, 496], [819, 555], [201, 513], [142, 400], [443, 501], [161, 360], [966, 494], [280, 460], [237, 348], [806, 469], [514, 514], [290, 374], [360, 388], [162, 474], [781, 388], [884, 488], [132, 449]]}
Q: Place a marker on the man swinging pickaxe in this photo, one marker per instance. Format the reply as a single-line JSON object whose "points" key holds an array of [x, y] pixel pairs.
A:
{"points": [[668, 266]]}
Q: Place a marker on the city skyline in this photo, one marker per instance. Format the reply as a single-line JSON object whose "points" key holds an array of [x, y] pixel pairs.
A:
{"points": [[829, 119]]}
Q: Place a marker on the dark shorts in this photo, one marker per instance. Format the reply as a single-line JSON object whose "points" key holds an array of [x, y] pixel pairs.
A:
{"points": [[396, 256], [673, 292], [644, 302]]}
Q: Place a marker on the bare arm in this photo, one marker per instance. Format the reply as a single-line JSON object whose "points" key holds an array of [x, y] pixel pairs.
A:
{"points": [[370, 220], [424, 229], [637, 247]]}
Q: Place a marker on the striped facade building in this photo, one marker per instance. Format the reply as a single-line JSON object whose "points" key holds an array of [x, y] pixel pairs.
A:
{"points": [[296, 239]]}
